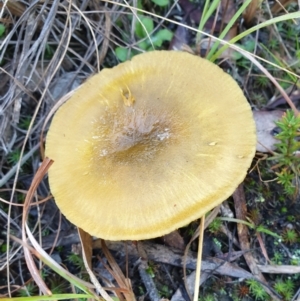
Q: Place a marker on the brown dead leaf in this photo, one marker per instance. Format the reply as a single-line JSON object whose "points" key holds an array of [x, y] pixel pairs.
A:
{"points": [[228, 10], [279, 269], [191, 11], [168, 255], [265, 124], [175, 240], [180, 38]]}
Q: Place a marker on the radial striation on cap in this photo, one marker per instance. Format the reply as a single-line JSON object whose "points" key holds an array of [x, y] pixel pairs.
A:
{"points": [[150, 145]]}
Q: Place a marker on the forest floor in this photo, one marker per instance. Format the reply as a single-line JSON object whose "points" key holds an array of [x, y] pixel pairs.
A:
{"points": [[251, 248]]}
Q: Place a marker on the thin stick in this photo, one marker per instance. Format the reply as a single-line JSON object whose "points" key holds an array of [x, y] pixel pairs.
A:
{"points": [[199, 259]]}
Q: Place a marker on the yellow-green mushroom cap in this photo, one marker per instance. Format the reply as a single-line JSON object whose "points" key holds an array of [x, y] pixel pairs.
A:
{"points": [[150, 145]]}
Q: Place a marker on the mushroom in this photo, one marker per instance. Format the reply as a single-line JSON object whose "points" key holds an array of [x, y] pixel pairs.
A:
{"points": [[150, 145]]}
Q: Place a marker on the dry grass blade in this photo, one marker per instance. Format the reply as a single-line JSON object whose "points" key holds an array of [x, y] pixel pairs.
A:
{"points": [[209, 219], [22, 205], [262, 246], [15, 8], [273, 80], [251, 11], [42, 255], [30, 70], [29, 53], [122, 281], [136, 17], [281, 5], [28, 257], [106, 35], [199, 259], [86, 243]]}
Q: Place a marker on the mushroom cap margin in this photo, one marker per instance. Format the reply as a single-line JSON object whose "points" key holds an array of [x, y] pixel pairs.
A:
{"points": [[194, 165]]}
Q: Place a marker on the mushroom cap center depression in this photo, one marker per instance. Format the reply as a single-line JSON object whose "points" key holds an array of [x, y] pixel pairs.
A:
{"points": [[127, 135], [130, 146]]}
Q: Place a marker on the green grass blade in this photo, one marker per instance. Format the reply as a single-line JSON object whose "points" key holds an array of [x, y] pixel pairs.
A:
{"points": [[207, 12], [45, 298], [286, 17], [228, 26]]}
